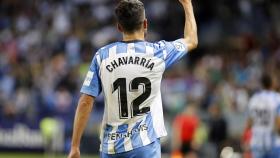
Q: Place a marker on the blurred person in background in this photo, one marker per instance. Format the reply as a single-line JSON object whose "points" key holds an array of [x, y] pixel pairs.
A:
{"points": [[264, 121], [184, 128], [129, 72], [217, 128], [245, 143]]}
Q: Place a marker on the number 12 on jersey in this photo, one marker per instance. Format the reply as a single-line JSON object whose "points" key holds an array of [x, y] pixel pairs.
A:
{"points": [[120, 85]]}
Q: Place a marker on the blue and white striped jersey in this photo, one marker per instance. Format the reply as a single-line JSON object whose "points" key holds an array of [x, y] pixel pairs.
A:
{"points": [[130, 74], [264, 107]]}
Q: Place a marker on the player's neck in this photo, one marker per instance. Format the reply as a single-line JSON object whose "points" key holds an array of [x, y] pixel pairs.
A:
{"points": [[134, 36]]}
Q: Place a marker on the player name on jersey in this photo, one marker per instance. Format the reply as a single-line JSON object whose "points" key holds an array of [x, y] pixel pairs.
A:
{"points": [[130, 60]]}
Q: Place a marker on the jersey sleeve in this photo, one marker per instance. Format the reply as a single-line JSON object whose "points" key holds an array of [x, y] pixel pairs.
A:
{"points": [[173, 51], [92, 83], [278, 110], [278, 106]]}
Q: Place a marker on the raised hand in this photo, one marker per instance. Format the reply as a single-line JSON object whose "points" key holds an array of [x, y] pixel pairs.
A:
{"points": [[190, 32]]}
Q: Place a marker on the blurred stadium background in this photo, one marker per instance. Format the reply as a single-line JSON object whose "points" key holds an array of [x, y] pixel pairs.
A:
{"points": [[46, 47]]}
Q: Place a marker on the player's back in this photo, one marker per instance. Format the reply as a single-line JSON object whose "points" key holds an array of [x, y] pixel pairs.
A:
{"points": [[263, 108], [130, 75]]}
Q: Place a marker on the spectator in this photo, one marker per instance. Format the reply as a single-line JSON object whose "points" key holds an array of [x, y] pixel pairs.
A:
{"points": [[184, 128], [217, 128]]}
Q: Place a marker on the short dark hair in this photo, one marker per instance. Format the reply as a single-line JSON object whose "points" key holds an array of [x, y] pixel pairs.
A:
{"points": [[266, 81], [130, 15]]}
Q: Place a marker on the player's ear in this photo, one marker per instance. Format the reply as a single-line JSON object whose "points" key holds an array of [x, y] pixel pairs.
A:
{"points": [[119, 27], [145, 24]]}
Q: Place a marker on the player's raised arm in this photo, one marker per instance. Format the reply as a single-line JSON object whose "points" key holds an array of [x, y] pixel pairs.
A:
{"points": [[190, 32], [81, 118]]}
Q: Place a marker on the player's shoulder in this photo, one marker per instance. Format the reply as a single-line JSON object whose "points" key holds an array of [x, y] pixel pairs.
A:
{"points": [[164, 43], [273, 94], [178, 44], [156, 44], [119, 44], [265, 94], [257, 96], [106, 47], [103, 52], [276, 95]]}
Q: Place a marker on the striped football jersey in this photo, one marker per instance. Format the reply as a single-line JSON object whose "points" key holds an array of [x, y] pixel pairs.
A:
{"points": [[264, 107], [130, 74]]}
